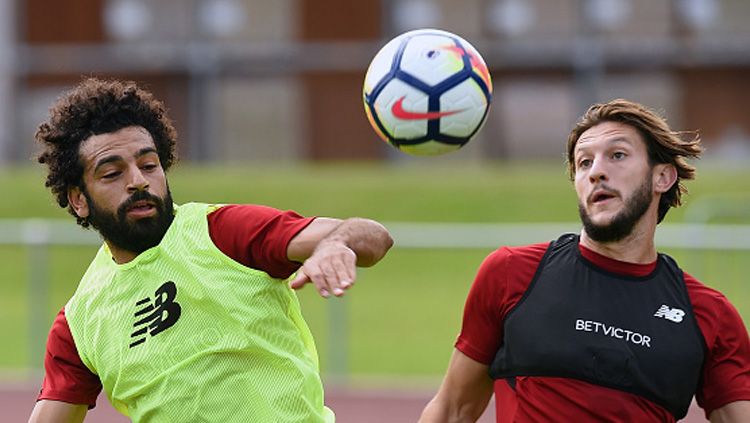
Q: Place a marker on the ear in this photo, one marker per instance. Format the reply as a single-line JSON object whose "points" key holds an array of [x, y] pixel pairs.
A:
{"points": [[665, 176], [78, 201]]}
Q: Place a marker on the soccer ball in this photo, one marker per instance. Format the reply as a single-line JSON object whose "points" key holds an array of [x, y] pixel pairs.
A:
{"points": [[427, 92]]}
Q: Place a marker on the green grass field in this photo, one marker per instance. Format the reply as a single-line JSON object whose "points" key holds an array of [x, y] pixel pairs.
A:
{"points": [[403, 315]]}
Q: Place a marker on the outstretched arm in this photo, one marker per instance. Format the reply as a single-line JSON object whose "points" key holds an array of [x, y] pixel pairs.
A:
{"points": [[464, 393], [331, 249], [47, 411]]}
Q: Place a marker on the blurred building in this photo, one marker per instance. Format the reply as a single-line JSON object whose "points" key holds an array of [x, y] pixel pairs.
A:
{"points": [[281, 80]]}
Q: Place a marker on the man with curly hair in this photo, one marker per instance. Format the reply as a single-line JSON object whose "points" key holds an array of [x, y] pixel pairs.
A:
{"points": [[184, 314], [598, 326]]}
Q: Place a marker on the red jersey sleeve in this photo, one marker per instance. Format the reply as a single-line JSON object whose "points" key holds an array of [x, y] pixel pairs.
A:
{"points": [[66, 378], [726, 370], [500, 283], [257, 236]]}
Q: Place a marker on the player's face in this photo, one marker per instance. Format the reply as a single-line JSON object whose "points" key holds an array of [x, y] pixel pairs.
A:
{"points": [[613, 180], [125, 196]]}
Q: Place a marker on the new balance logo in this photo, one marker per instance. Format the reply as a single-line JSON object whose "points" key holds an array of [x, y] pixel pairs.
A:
{"points": [[160, 314], [673, 314]]}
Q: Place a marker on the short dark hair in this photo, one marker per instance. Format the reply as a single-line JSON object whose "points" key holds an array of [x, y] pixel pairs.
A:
{"points": [[663, 144], [97, 107]]}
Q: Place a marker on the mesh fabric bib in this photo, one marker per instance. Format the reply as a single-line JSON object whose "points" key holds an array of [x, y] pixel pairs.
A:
{"points": [[184, 333]]}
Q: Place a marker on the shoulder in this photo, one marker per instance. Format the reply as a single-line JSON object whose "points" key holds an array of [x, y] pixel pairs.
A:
{"points": [[529, 253], [500, 282], [257, 236], [519, 255], [244, 219], [244, 211], [707, 302], [253, 216], [506, 272], [714, 312], [94, 282], [702, 292]]}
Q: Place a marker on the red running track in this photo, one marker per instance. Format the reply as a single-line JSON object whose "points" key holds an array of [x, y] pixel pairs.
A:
{"points": [[350, 405]]}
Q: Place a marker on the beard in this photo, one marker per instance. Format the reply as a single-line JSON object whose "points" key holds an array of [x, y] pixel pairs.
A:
{"points": [[137, 236], [623, 223]]}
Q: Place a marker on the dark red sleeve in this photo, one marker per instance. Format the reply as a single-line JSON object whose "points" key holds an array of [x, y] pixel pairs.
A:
{"points": [[500, 283], [726, 370], [66, 378], [257, 236]]}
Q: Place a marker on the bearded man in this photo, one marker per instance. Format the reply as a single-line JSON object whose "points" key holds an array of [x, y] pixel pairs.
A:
{"points": [[598, 326], [187, 313]]}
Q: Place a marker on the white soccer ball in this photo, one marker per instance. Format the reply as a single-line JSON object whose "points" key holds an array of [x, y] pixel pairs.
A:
{"points": [[427, 92]]}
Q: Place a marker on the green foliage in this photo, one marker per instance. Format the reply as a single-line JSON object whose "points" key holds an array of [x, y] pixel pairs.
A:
{"points": [[403, 315]]}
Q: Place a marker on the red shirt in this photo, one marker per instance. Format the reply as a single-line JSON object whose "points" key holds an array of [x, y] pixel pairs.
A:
{"points": [[500, 283], [256, 236]]}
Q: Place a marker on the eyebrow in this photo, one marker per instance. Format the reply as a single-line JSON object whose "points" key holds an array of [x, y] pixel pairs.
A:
{"points": [[614, 140], [115, 157]]}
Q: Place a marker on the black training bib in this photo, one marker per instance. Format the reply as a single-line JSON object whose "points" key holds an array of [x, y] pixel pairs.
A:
{"points": [[635, 334]]}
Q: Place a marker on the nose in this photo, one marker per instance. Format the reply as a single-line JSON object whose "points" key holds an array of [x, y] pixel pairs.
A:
{"points": [[138, 181], [597, 172]]}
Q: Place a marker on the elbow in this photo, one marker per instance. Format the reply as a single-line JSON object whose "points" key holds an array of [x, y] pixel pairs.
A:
{"points": [[380, 242], [386, 242], [438, 411], [434, 412]]}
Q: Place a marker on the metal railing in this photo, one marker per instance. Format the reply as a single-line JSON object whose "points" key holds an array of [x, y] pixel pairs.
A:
{"points": [[38, 235]]}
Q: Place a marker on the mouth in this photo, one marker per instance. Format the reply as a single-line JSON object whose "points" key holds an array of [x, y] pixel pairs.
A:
{"points": [[142, 208], [601, 196]]}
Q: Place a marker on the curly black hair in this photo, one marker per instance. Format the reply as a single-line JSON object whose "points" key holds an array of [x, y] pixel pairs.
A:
{"points": [[97, 107]]}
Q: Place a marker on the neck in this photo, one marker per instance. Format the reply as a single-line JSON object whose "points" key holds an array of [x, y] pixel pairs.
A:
{"points": [[119, 255], [637, 247]]}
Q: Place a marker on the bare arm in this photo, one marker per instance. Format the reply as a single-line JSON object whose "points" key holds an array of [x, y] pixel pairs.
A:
{"points": [[47, 411], [734, 412], [331, 249], [463, 395]]}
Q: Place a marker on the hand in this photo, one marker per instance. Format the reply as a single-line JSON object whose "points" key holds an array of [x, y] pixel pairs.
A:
{"points": [[331, 268]]}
